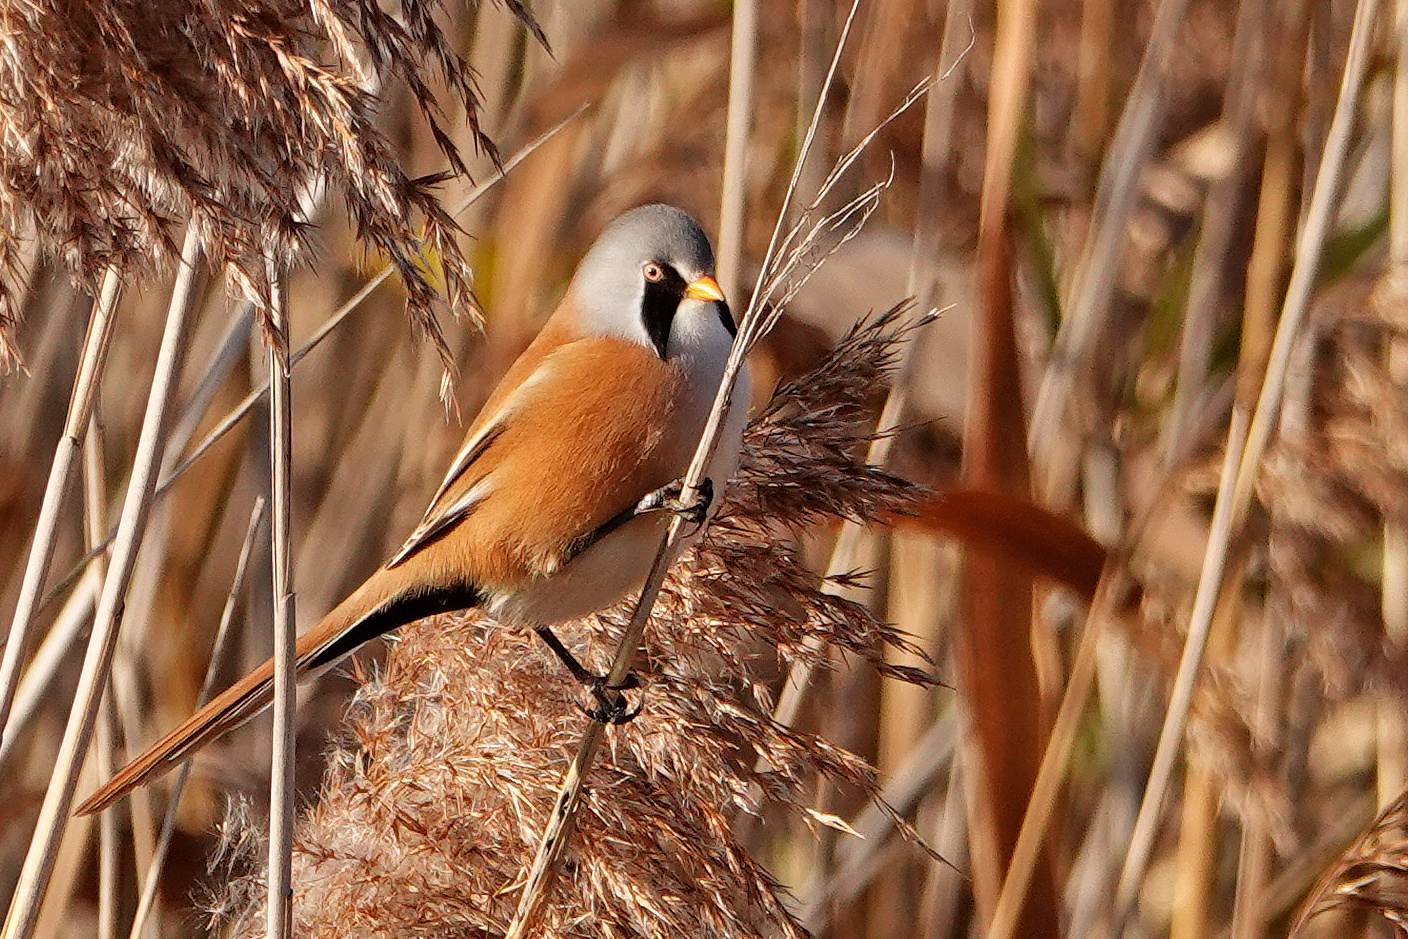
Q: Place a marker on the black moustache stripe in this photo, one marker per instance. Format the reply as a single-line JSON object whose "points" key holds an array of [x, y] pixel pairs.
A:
{"points": [[662, 299]]}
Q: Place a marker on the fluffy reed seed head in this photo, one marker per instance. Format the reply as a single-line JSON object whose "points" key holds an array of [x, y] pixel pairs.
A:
{"points": [[119, 121], [1371, 874], [433, 807]]}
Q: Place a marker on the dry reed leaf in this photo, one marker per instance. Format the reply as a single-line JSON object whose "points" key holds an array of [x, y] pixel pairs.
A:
{"points": [[118, 121], [1015, 529]]}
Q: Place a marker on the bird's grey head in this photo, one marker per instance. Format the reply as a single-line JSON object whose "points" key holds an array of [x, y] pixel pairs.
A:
{"points": [[650, 278]]}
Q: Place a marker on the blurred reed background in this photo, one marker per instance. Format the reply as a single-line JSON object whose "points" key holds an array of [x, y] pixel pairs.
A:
{"points": [[1165, 566]]}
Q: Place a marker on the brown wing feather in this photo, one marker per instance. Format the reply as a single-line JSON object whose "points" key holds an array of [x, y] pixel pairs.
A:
{"points": [[593, 439]]}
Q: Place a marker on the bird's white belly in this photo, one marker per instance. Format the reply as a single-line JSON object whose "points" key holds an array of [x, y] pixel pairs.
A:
{"points": [[597, 578]]}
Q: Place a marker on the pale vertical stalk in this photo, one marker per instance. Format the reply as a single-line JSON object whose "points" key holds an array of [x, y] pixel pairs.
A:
{"points": [[1245, 452], [94, 512], [1265, 271], [741, 69], [85, 384], [34, 688], [1091, 115], [109, 872], [1210, 580], [281, 808], [1392, 770], [1097, 273], [1197, 834], [146, 902], [58, 799], [1221, 222], [814, 44]]}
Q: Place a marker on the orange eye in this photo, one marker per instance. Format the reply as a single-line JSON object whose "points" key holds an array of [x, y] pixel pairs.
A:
{"points": [[654, 272]]}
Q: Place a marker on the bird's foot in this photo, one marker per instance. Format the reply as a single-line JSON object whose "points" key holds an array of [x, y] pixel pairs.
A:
{"points": [[611, 706], [669, 498]]}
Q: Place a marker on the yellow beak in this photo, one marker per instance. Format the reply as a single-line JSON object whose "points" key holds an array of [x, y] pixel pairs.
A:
{"points": [[705, 288]]}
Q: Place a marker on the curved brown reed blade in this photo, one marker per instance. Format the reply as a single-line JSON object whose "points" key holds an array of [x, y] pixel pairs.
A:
{"points": [[995, 653], [1013, 528], [123, 118]]}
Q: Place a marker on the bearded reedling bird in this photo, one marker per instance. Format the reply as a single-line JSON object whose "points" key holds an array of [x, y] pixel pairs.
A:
{"points": [[557, 502]]}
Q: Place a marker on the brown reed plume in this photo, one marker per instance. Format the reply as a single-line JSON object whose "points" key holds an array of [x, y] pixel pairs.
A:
{"points": [[118, 121], [1371, 875], [433, 807]]}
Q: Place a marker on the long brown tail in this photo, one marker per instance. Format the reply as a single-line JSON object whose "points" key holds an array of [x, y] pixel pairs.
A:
{"points": [[383, 603]]}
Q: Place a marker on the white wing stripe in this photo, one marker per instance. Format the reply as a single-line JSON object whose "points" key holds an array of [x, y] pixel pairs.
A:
{"points": [[433, 526]]}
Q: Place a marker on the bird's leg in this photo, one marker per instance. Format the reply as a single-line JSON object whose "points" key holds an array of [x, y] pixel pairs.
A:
{"points": [[611, 704], [667, 497]]}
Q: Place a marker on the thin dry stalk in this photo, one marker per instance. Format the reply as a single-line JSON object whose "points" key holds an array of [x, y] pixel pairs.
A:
{"points": [[41, 552], [742, 62], [1055, 764], [281, 803], [1200, 622], [53, 817], [95, 509], [1245, 452], [1265, 275], [146, 900], [109, 884]]}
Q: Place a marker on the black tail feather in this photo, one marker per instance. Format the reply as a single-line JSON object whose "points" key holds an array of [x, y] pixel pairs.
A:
{"points": [[395, 613]]}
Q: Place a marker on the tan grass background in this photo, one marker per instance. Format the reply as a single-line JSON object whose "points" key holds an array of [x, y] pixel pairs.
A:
{"points": [[1107, 197]]}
